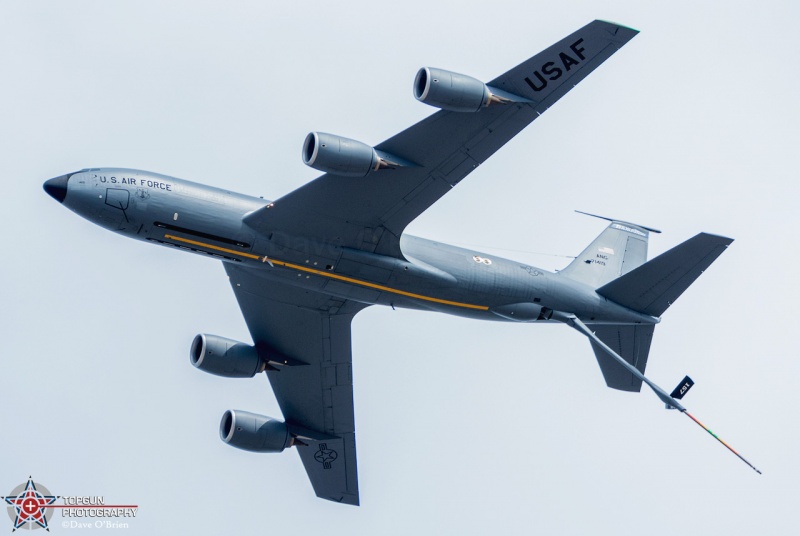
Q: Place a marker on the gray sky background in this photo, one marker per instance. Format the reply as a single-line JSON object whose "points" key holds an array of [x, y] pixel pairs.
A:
{"points": [[463, 427]]}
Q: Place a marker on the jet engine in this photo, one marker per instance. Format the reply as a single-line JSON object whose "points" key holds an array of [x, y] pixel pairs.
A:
{"points": [[343, 156], [457, 92], [256, 433], [225, 357]]}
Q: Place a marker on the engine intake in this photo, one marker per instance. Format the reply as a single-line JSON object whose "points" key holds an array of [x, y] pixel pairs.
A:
{"points": [[256, 433], [225, 357]]}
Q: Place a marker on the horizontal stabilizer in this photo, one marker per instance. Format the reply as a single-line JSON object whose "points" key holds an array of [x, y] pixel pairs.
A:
{"points": [[632, 343], [654, 286]]}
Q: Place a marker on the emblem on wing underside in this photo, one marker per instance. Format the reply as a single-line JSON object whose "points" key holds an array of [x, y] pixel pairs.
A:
{"points": [[325, 456]]}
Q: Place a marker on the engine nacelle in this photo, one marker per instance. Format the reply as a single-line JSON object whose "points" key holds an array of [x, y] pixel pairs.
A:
{"points": [[256, 433], [340, 156], [225, 357], [458, 92], [450, 91]]}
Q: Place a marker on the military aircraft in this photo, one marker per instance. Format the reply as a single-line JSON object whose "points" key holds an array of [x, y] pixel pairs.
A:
{"points": [[304, 265]]}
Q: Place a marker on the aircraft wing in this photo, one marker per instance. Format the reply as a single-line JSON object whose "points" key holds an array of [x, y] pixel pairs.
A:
{"points": [[316, 396], [370, 213]]}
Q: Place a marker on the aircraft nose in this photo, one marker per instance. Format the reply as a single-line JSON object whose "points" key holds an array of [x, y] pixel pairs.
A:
{"points": [[57, 187]]}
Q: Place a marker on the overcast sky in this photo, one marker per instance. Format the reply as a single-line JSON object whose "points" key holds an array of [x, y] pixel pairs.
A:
{"points": [[463, 427]]}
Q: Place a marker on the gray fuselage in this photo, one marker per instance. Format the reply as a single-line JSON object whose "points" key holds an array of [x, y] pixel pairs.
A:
{"points": [[432, 276]]}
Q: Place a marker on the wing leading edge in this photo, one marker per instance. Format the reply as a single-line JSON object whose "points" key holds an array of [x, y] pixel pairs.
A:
{"points": [[316, 398], [370, 213]]}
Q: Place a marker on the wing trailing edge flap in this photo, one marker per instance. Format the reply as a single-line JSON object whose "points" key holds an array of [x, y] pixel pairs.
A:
{"points": [[654, 286], [632, 343]]}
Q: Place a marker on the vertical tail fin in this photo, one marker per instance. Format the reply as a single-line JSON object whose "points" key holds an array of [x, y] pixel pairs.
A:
{"points": [[620, 248]]}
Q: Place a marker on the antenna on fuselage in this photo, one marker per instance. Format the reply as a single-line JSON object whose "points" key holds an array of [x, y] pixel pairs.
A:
{"points": [[617, 220]]}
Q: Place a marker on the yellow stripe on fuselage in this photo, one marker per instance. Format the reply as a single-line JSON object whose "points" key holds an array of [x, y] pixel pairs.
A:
{"points": [[322, 273]]}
